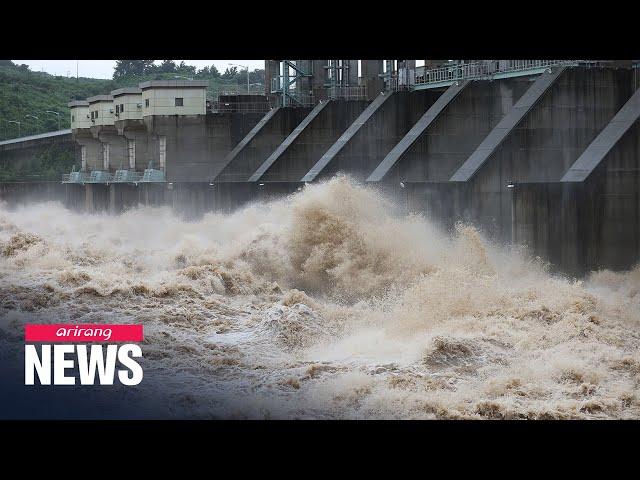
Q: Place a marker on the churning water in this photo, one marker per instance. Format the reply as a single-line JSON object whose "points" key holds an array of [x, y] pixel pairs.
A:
{"points": [[330, 304]]}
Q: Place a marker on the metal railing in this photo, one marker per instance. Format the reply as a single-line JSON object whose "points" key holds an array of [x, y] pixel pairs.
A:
{"points": [[75, 177], [127, 176], [352, 92], [151, 175], [216, 94], [481, 69], [100, 176], [244, 107], [295, 98]]}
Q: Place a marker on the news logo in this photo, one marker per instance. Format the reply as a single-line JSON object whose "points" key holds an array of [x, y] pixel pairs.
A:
{"points": [[52, 353]]}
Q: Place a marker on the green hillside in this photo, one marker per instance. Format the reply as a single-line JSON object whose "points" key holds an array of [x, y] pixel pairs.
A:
{"points": [[24, 92]]}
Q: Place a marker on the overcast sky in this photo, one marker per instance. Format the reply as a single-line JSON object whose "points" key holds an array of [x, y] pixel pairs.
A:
{"points": [[104, 68]]}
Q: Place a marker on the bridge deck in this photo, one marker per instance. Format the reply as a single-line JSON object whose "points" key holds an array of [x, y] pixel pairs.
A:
{"points": [[40, 136]]}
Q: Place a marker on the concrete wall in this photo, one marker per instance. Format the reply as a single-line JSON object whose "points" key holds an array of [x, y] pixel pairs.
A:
{"points": [[162, 101], [585, 226], [115, 145], [197, 145], [79, 117], [263, 144], [457, 131], [130, 106], [314, 140], [550, 138], [371, 70], [386, 127], [104, 109], [144, 143]]}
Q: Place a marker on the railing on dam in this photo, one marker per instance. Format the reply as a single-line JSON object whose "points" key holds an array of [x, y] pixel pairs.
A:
{"points": [[75, 177], [355, 92], [241, 107], [150, 175], [443, 76]]}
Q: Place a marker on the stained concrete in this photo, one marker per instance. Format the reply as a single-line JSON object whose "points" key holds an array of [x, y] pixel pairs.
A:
{"points": [[197, 145], [316, 138], [263, 144], [380, 133], [590, 225]]}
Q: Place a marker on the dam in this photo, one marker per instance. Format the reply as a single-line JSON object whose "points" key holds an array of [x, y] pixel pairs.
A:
{"points": [[542, 153], [362, 239]]}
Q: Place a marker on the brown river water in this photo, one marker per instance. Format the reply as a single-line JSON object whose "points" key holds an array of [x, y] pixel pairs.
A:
{"points": [[331, 304]]}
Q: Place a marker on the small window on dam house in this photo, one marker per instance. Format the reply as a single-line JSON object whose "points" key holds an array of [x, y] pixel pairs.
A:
{"points": [[179, 101], [121, 107], [73, 118], [146, 103]]}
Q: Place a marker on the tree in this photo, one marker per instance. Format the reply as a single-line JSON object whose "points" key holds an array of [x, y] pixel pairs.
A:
{"points": [[214, 72], [167, 66], [185, 69], [257, 76], [230, 73], [208, 72], [126, 68]]}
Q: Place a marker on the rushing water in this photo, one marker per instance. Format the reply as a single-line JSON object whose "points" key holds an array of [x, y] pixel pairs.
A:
{"points": [[330, 304]]}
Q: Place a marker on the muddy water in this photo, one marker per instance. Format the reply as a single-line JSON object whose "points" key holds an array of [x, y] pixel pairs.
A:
{"points": [[330, 304]]}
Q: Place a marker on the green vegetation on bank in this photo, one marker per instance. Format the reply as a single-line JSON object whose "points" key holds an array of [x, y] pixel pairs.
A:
{"points": [[25, 94], [46, 165]]}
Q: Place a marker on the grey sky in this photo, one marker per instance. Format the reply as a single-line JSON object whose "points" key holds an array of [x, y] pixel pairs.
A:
{"points": [[104, 68]]}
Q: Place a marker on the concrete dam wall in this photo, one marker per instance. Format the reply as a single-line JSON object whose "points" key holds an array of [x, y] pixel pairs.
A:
{"points": [[507, 155]]}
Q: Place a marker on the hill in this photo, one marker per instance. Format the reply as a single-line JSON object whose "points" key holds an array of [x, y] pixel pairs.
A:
{"points": [[24, 92]]}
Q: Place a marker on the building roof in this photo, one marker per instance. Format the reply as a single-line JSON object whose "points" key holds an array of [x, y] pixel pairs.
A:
{"points": [[126, 91], [174, 84], [100, 98], [78, 103]]}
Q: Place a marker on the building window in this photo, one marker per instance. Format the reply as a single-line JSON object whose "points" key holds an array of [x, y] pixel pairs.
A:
{"points": [[117, 109], [146, 103], [96, 113], [121, 107], [179, 102], [73, 118]]}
